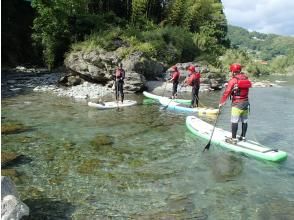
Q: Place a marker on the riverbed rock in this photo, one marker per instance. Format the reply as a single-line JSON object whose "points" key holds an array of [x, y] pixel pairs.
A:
{"points": [[13, 128], [264, 84], [101, 140], [226, 167], [9, 172], [276, 208], [8, 157], [11, 206]]}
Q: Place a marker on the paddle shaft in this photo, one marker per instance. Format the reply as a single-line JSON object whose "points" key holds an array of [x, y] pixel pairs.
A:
{"points": [[208, 144], [165, 107], [164, 88]]}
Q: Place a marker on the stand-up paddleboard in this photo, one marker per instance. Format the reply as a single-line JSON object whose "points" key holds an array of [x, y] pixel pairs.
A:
{"points": [[250, 148], [157, 97], [110, 105], [147, 101], [170, 104]]}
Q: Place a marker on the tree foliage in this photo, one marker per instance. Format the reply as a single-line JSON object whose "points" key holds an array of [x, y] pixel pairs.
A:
{"points": [[17, 19], [60, 23], [263, 46]]}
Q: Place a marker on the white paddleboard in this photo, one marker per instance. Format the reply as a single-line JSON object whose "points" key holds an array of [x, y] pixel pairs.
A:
{"points": [[250, 148], [110, 105], [170, 104]]}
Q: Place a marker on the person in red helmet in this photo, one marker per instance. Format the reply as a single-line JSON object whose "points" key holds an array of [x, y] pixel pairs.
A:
{"points": [[193, 80], [119, 82], [238, 88], [174, 78]]}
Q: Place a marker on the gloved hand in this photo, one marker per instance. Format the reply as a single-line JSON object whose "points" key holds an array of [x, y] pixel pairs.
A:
{"points": [[220, 105]]}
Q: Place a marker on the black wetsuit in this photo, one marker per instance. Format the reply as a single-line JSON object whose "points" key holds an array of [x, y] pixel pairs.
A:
{"points": [[119, 84]]}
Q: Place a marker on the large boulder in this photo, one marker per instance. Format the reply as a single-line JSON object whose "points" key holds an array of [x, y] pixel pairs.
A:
{"points": [[11, 206], [150, 69], [98, 66]]}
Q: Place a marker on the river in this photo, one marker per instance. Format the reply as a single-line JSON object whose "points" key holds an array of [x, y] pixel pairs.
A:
{"points": [[142, 162]]}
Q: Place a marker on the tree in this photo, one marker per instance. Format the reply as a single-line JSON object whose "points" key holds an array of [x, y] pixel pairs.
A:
{"points": [[51, 26]]}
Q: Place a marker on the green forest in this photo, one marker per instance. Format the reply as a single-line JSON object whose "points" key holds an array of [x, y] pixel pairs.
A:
{"points": [[43, 32]]}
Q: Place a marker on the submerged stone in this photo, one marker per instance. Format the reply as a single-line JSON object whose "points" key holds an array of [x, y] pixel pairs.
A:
{"points": [[13, 128], [88, 166], [9, 172], [278, 208], [101, 140], [226, 167], [8, 157]]}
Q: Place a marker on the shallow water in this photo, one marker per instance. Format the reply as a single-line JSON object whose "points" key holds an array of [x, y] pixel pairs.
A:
{"points": [[142, 163]]}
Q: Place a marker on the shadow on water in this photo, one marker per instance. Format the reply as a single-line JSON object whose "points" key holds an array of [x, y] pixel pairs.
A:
{"points": [[7, 93], [45, 209], [20, 160], [15, 83]]}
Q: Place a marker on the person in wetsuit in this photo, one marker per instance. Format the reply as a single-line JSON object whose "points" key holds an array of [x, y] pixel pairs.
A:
{"points": [[193, 80], [119, 82], [238, 88], [174, 78]]}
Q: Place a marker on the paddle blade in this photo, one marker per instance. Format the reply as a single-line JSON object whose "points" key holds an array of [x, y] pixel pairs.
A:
{"points": [[207, 147]]}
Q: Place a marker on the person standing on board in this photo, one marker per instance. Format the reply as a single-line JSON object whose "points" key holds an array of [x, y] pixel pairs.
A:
{"points": [[119, 82], [193, 80], [238, 88], [175, 76]]}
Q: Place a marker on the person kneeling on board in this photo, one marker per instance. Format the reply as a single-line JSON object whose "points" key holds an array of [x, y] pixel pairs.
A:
{"points": [[238, 88], [193, 79]]}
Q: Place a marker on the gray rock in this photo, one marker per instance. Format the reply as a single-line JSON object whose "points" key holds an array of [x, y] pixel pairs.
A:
{"points": [[11, 206], [98, 66]]}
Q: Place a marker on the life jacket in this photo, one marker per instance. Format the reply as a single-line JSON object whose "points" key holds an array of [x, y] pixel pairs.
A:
{"points": [[194, 79], [119, 73], [175, 76], [241, 87]]}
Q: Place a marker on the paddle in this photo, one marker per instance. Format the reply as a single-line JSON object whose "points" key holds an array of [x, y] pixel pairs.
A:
{"points": [[197, 97], [165, 107], [164, 87], [219, 109], [208, 144]]}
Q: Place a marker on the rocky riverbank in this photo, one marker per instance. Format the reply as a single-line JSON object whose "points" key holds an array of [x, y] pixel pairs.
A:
{"points": [[21, 79]]}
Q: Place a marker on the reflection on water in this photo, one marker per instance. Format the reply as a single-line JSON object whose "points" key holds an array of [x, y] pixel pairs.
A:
{"points": [[142, 163]]}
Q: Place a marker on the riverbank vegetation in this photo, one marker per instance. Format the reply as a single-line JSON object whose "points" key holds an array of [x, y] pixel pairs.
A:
{"points": [[168, 31]]}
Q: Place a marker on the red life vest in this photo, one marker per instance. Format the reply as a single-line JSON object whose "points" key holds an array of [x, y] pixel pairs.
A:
{"points": [[194, 79], [119, 73], [241, 87], [175, 76]]}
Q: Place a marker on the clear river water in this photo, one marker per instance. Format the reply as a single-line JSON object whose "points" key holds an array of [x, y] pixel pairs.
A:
{"points": [[141, 162]]}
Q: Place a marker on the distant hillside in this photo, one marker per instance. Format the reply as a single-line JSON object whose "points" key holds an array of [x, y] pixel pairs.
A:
{"points": [[263, 46]]}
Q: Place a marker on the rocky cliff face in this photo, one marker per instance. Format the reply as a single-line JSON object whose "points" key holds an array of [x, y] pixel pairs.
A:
{"points": [[98, 66]]}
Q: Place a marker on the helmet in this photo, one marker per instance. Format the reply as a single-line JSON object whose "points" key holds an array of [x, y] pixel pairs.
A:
{"points": [[191, 68], [235, 68]]}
